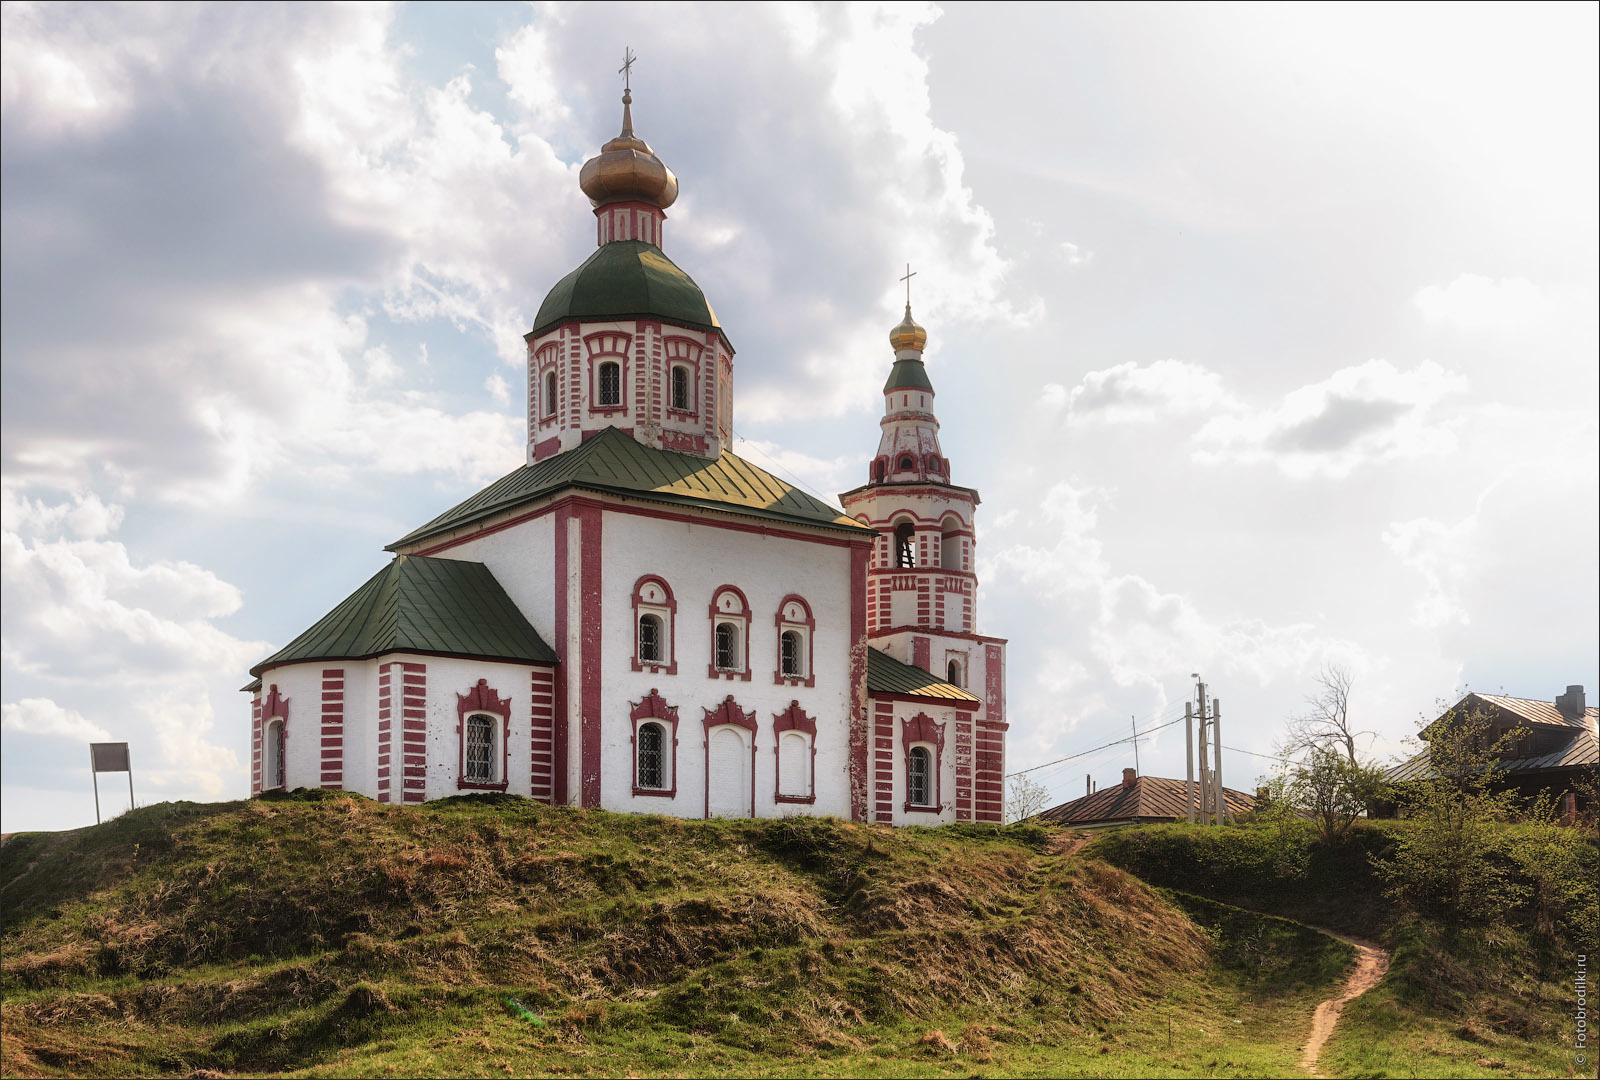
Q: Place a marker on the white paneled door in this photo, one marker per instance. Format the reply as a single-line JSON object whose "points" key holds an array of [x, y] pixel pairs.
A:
{"points": [[729, 773]]}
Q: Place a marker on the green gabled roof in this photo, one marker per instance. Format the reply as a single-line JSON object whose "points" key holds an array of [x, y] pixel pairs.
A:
{"points": [[886, 675], [908, 375], [627, 279], [613, 461], [417, 604]]}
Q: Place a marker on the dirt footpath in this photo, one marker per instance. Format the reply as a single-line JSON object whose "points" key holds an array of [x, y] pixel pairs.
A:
{"points": [[1371, 963]]}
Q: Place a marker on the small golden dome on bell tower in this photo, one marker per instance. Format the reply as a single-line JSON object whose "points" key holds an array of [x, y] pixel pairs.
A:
{"points": [[908, 335]]}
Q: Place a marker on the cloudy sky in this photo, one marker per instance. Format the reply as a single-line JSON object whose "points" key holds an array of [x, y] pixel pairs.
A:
{"points": [[1268, 334]]}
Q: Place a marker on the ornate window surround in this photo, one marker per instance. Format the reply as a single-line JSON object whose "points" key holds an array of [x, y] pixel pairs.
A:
{"points": [[794, 613], [728, 605], [654, 708], [483, 699], [923, 730], [653, 596], [274, 707], [609, 346], [794, 719]]}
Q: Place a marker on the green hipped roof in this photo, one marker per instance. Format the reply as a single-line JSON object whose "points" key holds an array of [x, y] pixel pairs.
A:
{"points": [[417, 604], [614, 462], [627, 279], [908, 375], [886, 675]]}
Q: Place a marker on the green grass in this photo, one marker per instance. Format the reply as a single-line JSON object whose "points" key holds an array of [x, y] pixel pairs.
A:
{"points": [[325, 935], [1472, 1001]]}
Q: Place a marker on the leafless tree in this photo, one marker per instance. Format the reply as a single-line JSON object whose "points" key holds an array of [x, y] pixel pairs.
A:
{"points": [[1026, 798], [1326, 723]]}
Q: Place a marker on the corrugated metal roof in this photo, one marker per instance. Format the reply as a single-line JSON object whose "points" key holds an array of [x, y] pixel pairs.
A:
{"points": [[418, 604], [1147, 798], [1537, 712], [613, 461], [886, 675], [1582, 749]]}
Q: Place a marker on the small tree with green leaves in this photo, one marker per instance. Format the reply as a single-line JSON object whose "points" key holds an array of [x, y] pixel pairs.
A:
{"points": [[1456, 863], [1334, 790]]}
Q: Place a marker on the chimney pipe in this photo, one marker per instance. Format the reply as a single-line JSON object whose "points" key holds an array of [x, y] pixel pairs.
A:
{"points": [[1572, 704], [1127, 777]]}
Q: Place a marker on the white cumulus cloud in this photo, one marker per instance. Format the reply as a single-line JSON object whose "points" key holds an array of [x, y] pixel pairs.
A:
{"points": [[1360, 415], [41, 716]]}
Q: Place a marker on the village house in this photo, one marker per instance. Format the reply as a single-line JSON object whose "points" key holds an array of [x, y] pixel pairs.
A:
{"points": [[1138, 799], [1553, 748]]}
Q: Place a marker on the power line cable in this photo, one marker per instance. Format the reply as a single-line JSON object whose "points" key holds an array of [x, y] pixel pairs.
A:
{"points": [[1086, 753], [801, 483]]}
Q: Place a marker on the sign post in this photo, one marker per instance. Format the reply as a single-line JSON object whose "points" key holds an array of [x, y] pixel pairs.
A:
{"points": [[109, 757]]}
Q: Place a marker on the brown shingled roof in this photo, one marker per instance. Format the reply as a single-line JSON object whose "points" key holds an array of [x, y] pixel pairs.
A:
{"points": [[1148, 798]]}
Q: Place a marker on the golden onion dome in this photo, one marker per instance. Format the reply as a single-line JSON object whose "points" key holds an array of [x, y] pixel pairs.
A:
{"points": [[908, 335], [626, 169]]}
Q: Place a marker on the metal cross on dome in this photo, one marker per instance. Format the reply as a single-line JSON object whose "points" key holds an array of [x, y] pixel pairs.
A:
{"points": [[910, 273], [626, 70]]}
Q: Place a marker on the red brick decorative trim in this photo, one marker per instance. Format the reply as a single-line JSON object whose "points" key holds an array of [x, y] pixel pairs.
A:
{"points": [[728, 712], [925, 730], [793, 718], [386, 688], [413, 731], [591, 656], [806, 623], [883, 762], [655, 707], [643, 597], [333, 728], [860, 557], [964, 762], [541, 725], [741, 618], [989, 785], [483, 699]]}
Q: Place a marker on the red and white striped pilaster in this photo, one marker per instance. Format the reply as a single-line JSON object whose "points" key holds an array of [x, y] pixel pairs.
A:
{"points": [[542, 725], [255, 743], [386, 677], [333, 728], [414, 731], [883, 761]]}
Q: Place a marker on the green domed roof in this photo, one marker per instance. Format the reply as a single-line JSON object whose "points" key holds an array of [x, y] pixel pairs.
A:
{"points": [[627, 279]]}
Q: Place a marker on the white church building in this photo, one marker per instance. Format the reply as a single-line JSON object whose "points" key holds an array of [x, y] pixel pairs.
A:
{"points": [[639, 620]]}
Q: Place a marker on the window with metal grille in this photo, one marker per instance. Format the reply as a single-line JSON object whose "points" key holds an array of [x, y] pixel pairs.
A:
{"points": [[793, 654], [680, 388], [480, 750], [919, 777], [549, 393], [652, 756], [650, 639], [902, 544], [611, 384], [727, 647], [275, 778]]}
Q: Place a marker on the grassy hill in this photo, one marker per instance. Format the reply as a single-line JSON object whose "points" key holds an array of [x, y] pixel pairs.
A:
{"points": [[326, 935], [1482, 1000]]}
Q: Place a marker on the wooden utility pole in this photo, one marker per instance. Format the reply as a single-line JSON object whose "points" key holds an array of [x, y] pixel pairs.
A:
{"points": [[1223, 816], [1188, 742]]}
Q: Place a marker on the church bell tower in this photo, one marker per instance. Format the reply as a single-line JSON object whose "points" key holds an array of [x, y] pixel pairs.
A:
{"points": [[921, 589]]}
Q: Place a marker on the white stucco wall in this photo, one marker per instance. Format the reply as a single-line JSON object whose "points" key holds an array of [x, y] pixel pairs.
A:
{"points": [[522, 560], [695, 559]]}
